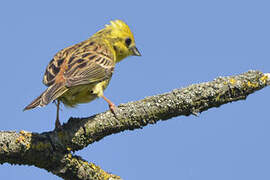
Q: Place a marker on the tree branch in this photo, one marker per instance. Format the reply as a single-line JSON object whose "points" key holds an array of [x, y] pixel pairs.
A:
{"points": [[51, 150], [37, 149]]}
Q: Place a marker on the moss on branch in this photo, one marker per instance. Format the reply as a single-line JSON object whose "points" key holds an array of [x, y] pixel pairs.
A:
{"points": [[52, 150]]}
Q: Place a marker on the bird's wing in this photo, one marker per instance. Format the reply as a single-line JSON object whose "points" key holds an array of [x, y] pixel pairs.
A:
{"points": [[56, 65], [91, 63], [83, 63], [52, 71]]}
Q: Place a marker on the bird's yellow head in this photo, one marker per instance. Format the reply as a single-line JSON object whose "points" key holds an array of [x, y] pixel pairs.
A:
{"points": [[121, 39]]}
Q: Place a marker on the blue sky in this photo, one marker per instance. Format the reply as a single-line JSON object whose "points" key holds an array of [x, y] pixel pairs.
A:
{"points": [[182, 43]]}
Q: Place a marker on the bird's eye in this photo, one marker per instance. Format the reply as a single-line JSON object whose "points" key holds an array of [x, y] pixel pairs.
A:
{"points": [[128, 41]]}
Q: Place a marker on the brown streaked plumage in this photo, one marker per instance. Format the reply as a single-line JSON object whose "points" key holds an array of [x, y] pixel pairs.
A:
{"points": [[80, 73]]}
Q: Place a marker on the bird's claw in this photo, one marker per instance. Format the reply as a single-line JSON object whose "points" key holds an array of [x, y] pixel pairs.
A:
{"points": [[58, 125], [113, 108]]}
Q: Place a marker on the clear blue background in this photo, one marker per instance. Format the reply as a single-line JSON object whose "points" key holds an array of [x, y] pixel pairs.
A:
{"points": [[182, 42]]}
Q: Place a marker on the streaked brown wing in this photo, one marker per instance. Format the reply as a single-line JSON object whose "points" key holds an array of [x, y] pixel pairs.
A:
{"points": [[52, 71], [57, 63], [90, 64]]}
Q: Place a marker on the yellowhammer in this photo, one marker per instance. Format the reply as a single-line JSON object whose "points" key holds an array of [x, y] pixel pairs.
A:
{"points": [[80, 73]]}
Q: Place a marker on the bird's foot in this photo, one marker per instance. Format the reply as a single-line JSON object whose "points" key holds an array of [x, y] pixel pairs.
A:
{"points": [[112, 108], [58, 125]]}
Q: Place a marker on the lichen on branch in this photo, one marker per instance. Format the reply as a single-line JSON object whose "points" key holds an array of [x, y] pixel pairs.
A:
{"points": [[52, 150]]}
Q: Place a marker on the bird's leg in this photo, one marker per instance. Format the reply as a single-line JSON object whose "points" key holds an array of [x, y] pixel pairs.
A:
{"points": [[111, 105], [57, 122]]}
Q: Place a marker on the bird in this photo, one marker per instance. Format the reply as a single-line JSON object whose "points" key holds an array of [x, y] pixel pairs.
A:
{"points": [[80, 73]]}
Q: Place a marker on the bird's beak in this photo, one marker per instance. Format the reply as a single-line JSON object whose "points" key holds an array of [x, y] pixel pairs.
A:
{"points": [[135, 51]]}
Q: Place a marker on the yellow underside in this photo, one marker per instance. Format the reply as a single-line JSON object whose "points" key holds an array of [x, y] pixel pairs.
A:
{"points": [[83, 93]]}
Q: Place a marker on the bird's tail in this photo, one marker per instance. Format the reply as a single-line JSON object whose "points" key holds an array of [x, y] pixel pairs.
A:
{"points": [[50, 94]]}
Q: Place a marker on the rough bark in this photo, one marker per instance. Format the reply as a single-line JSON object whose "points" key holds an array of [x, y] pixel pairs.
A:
{"points": [[52, 150]]}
